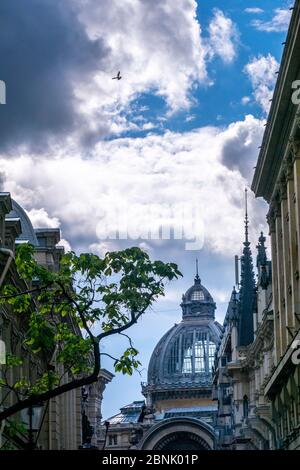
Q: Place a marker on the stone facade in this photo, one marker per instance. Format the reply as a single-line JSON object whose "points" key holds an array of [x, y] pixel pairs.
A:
{"points": [[257, 384], [277, 180], [66, 417], [243, 370]]}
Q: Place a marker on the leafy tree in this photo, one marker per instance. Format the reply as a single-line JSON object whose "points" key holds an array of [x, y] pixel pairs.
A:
{"points": [[66, 315]]}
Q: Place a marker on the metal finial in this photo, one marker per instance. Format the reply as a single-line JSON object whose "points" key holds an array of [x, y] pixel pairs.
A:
{"points": [[197, 278]]}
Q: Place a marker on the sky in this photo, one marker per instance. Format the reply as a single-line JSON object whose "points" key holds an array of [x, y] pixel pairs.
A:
{"points": [[173, 143]]}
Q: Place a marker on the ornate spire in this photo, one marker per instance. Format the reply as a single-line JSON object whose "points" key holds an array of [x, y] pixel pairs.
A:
{"points": [[262, 254], [261, 263], [197, 278], [246, 217], [233, 307], [247, 290]]}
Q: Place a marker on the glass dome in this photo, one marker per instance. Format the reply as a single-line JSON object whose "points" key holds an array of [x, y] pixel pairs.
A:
{"points": [[185, 354], [192, 352], [28, 234]]}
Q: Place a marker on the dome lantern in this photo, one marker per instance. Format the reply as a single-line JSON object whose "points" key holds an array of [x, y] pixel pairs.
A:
{"points": [[197, 301]]}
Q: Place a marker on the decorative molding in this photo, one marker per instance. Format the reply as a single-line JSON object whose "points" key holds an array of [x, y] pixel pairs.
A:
{"points": [[289, 167], [271, 220], [282, 184], [294, 147]]}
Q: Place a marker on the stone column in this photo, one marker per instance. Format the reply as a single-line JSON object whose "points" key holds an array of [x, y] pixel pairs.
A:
{"points": [[296, 273], [294, 258], [286, 253], [234, 341], [78, 418], [280, 278]]}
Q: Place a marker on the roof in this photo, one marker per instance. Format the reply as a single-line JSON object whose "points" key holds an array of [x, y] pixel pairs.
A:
{"points": [[131, 413], [195, 411], [183, 355], [197, 301], [28, 233], [167, 363], [232, 309]]}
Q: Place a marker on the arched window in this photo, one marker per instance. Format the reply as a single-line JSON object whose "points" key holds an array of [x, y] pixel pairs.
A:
{"points": [[197, 295], [192, 352], [245, 406]]}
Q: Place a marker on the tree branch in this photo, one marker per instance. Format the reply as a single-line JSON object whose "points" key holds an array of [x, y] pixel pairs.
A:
{"points": [[82, 318], [76, 383], [129, 339], [112, 357], [134, 319], [25, 292]]}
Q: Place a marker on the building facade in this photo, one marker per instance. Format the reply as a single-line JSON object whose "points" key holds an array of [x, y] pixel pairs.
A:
{"points": [[179, 412], [69, 420], [257, 379], [245, 358], [277, 180]]}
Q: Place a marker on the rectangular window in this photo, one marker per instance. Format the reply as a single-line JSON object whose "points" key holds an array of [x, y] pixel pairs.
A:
{"points": [[200, 356], [113, 440], [211, 355], [187, 362]]}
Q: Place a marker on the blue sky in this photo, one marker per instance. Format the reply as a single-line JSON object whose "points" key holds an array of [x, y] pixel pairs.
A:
{"points": [[183, 126], [220, 103]]}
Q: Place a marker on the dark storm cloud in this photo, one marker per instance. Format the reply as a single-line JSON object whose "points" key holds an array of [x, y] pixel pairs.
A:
{"points": [[44, 50], [240, 150]]}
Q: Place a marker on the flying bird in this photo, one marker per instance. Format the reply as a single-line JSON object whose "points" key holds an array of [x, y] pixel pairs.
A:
{"points": [[118, 77]]}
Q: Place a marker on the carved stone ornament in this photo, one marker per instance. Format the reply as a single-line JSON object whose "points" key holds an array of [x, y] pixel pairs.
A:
{"points": [[275, 204], [289, 167], [271, 220], [298, 119], [282, 184], [294, 147]]}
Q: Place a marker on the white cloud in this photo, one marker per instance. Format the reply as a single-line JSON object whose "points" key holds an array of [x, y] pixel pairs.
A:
{"points": [[220, 295], [279, 23], [40, 219], [63, 242], [254, 10], [160, 50], [157, 46], [148, 126], [102, 248], [223, 37], [206, 165], [261, 71], [245, 100], [190, 118]]}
